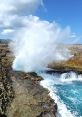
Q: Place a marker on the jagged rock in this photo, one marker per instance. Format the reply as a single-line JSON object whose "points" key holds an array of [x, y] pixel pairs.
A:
{"points": [[20, 93]]}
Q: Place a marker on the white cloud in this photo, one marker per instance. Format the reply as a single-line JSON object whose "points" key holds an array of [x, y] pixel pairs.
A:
{"points": [[19, 6], [13, 14], [7, 31], [13, 21]]}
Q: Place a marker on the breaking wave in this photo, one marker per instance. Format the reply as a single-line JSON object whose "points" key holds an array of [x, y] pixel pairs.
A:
{"points": [[65, 90]]}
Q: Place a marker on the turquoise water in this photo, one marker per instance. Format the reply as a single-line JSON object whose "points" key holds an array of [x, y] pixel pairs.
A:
{"points": [[71, 95], [66, 90]]}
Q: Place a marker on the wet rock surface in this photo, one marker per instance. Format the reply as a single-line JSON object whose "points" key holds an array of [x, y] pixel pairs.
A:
{"points": [[20, 93]]}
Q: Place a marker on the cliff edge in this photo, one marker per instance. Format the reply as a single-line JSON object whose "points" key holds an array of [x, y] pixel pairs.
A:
{"points": [[20, 93]]}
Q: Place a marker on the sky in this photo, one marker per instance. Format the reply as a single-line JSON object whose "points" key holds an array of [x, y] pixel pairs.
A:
{"points": [[65, 12], [13, 15]]}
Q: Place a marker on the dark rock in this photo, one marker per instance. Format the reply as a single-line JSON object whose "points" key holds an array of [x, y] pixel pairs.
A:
{"points": [[2, 115]]}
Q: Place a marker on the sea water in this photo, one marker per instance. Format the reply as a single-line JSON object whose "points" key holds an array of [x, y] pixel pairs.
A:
{"points": [[66, 90]]}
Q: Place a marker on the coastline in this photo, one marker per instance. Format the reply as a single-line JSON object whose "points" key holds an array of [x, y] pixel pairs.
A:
{"points": [[50, 81], [24, 96], [73, 64], [23, 92], [35, 99]]}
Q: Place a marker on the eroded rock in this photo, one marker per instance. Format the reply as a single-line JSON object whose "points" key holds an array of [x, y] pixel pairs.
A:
{"points": [[20, 93]]}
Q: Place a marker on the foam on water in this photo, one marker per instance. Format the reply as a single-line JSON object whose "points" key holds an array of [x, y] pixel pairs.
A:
{"points": [[70, 77], [51, 80]]}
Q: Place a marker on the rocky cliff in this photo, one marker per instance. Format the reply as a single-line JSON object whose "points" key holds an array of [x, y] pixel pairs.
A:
{"points": [[20, 93]]}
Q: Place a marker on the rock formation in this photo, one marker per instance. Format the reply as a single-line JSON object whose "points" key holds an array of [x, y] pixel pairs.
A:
{"points": [[20, 93], [73, 64]]}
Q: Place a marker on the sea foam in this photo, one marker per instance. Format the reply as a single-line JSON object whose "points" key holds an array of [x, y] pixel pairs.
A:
{"points": [[49, 82]]}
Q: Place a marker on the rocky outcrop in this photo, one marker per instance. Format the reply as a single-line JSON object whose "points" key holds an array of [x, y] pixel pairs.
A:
{"points": [[31, 100], [20, 93], [72, 64], [6, 88]]}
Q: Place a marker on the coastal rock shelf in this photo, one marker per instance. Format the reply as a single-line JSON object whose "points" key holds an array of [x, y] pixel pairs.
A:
{"points": [[20, 93], [73, 64]]}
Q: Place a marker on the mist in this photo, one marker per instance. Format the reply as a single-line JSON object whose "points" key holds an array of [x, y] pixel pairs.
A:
{"points": [[36, 42], [39, 43]]}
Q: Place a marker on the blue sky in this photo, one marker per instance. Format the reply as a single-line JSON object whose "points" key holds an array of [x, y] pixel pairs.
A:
{"points": [[65, 12]]}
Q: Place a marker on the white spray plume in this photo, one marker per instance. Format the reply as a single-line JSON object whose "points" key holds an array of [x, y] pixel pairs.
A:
{"points": [[38, 44]]}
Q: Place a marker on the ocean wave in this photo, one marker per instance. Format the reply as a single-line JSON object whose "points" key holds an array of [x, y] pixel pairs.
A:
{"points": [[48, 82]]}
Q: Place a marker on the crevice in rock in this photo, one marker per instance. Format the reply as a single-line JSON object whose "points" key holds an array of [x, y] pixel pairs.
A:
{"points": [[3, 115]]}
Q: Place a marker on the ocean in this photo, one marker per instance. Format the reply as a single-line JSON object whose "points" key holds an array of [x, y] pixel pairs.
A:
{"points": [[66, 90]]}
